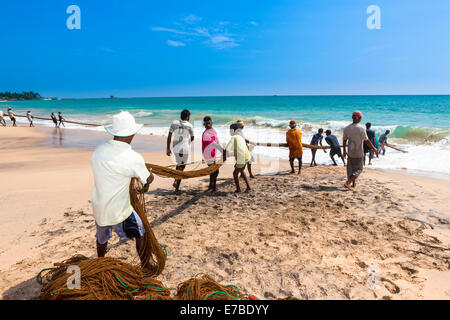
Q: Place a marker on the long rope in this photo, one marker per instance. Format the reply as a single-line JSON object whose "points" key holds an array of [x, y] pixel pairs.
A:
{"points": [[285, 145], [65, 121]]}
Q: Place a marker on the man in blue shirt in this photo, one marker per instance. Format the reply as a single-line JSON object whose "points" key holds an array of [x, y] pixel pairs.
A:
{"points": [[335, 146], [371, 136], [383, 140], [316, 139]]}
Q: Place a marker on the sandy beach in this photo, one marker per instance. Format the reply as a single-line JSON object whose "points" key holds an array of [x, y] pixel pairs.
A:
{"points": [[305, 236]]}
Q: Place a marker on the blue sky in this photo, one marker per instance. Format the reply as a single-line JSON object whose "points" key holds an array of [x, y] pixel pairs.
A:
{"points": [[245, 47]]}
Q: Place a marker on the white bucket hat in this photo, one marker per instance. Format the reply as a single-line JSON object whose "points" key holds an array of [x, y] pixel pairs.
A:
{"points": [[123, 125]]}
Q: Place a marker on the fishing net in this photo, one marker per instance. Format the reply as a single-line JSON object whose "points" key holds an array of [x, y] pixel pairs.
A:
{"points": [[176, 174], [109, 278]]}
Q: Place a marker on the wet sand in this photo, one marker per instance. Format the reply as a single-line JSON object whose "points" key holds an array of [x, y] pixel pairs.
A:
{"points": [[304, 235]]}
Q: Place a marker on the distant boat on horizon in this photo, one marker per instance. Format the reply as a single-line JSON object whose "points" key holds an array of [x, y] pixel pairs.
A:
{"points": [[112, 97]]}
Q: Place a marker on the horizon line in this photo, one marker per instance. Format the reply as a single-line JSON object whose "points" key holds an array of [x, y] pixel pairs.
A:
{"points": [[267, 95]]}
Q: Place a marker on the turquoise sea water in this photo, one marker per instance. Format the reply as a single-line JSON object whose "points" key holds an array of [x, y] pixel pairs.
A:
{"points": [[421, 122], [416, 111]]}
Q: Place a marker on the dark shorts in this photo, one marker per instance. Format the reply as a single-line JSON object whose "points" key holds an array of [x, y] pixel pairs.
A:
{"points": [[335, 151], [240, 165], [131, 228], [299, 159], [215, 173], [354, 167]]}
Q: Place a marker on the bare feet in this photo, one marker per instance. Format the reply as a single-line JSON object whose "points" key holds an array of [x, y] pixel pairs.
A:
{"points": [[347, 185]]}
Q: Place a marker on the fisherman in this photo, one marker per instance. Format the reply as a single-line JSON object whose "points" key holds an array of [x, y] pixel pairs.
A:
{"points": [[210, 142], [238, 147], [240, 132], [2, 119], [294, 141], [332, 140], [181, 134], [12, 116], [61, 120], [371, 136], [383, 140], [114, 164], [316, 139], [30, 118], [55, 121], [354, 138]]}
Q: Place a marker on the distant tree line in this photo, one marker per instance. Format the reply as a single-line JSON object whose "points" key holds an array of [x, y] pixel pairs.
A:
{"points": [[20, 96]]}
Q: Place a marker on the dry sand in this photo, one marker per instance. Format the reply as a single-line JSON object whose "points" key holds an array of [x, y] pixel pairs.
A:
{"points": [[291, 235]]}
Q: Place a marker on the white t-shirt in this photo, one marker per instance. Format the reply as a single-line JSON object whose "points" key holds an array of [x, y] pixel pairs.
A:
{"points": [[182, 131], [356, 135], [114, 163]]}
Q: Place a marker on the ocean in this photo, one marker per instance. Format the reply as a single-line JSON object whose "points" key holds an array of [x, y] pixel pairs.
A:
{"points": [[419, 124]]}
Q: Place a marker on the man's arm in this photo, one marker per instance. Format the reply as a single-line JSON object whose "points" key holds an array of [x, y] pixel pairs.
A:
{"points": [[344, 146], [370, 145], [150, 179], [169, 140], [191, 131], [320, 141]]}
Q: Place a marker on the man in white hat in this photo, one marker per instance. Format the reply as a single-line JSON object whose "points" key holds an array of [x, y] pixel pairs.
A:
{"points": [[114, 163]]}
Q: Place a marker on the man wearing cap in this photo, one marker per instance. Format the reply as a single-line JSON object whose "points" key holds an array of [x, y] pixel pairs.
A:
{"points": [[294, 142], [354, 138], [114, 164]]}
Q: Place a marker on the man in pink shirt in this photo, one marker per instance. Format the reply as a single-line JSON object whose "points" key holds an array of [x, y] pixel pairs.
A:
{"points": [[210, 142]]}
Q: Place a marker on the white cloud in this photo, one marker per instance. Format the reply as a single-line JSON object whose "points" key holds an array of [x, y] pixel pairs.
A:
{"points": [[254, 23], [191, 19], [215, 35], [169, 30], [173, 43], [221, 41]]}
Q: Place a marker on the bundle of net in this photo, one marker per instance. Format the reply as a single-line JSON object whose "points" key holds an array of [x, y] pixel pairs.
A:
{"points": [[99, 279]]}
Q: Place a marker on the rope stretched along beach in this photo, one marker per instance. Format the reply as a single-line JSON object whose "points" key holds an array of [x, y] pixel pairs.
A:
{"points": [[285, 145], [393, 147], [65, 121]]}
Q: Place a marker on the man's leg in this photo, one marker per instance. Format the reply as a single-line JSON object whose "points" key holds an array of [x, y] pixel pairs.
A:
{"points": [[291, 162], [102, 235], [236, 179], [214, 181], [313, 152], [101, 249], [299, 165], [178, 181], [245, 179], [250, 170], [343, 161], [370, 157], [354, 169], [332, 158]]}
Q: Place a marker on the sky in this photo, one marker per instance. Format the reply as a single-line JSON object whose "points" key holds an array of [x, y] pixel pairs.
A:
{"points": [[221, 48]]}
